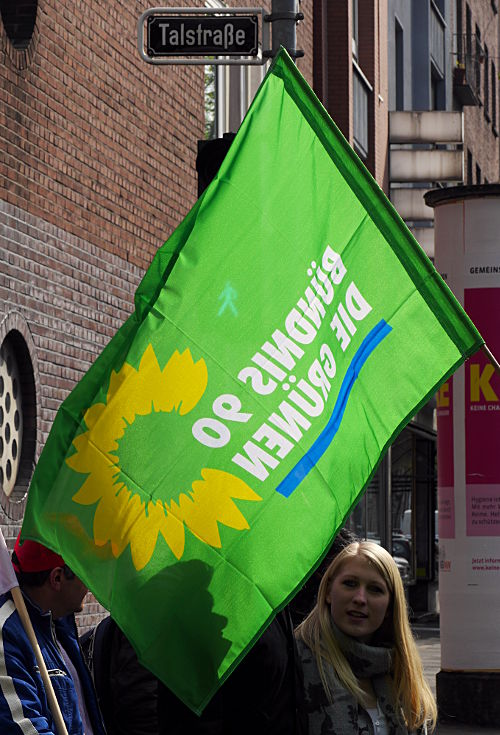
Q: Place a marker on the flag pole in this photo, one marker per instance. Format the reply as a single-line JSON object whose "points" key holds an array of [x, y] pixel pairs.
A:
{"points": [[491, 358], [8, 582]]}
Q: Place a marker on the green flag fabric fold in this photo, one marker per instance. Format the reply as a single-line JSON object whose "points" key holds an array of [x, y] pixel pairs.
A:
{"points": [[282, 337]]}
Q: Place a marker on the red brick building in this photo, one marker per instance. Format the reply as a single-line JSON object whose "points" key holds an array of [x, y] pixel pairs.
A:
{"points": [[476, 70], [351, 76], [97, 167]]}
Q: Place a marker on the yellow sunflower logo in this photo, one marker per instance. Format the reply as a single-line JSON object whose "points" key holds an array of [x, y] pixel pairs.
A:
{"points": [[127, 513]]}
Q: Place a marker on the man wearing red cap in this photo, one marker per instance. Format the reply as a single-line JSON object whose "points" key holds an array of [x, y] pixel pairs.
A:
{"points": [[52, 594]]}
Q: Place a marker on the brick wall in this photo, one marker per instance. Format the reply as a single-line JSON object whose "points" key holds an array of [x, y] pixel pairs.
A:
{"points": [[333, 64], [305, 40], [480, 135], [95, 140], [372, 55], [333, 71], [69, 296], [73, 295]]}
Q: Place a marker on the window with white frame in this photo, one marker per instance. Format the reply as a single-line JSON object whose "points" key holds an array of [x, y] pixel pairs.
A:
{"points": [[362, 90]]}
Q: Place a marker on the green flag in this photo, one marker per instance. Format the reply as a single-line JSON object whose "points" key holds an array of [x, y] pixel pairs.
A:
{"points": [[282, 337]]}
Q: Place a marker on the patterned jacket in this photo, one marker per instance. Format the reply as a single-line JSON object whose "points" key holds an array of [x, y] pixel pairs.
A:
{"points": [[24, 708]]}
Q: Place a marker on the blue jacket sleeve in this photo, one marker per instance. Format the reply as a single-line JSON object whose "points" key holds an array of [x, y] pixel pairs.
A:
{"points": [[22, 700]]}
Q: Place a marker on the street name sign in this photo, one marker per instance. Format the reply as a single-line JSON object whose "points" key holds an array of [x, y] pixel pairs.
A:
{"points": [[205, 35], [208, 36]]}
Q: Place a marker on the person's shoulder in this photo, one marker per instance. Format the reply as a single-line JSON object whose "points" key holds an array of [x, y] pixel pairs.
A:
{"points": [[305, 653], [5, 597], [7, 609], [107, 628], [11, 627], [308, 664]]}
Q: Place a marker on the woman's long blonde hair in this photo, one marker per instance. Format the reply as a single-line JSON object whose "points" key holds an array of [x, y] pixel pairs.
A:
{"points": [[411, 691]]}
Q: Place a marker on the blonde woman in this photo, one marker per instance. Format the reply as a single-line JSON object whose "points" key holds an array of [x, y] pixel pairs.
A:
{"points": [[362, 670]]}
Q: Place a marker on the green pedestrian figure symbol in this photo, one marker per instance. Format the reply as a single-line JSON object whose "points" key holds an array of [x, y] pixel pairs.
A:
{"points": [[228, 296]]}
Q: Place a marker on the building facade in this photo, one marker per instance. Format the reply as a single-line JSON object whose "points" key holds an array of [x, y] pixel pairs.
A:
{"points": [[476, 52], [413, 86], [97, 169], [351, 75]]}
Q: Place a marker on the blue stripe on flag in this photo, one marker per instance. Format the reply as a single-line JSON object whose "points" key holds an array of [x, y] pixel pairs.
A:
{"points": [[305, 465]]}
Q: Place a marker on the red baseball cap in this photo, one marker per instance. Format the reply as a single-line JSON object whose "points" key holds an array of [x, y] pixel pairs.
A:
{"points": [[33, 557]]}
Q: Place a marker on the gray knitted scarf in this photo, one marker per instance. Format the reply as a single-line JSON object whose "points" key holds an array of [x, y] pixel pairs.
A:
{"points": [[340, 717]]}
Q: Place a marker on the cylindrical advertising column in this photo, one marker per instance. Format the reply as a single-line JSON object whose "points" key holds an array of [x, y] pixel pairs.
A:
{"points": [[467, 254]]}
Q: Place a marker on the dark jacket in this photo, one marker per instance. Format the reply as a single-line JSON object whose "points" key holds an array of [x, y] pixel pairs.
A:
{"points": [[23, 701], [127, 692], [263, 695]]}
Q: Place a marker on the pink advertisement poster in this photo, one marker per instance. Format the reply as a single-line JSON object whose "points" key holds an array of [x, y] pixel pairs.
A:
{"points": [[446, 496], [482, 418]]}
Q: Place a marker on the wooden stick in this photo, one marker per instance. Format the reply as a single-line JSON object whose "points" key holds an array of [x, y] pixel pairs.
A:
{"points": [[18, 598], [491, 358]]}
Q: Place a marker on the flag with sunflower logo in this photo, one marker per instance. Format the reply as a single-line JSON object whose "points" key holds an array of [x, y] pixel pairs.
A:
{"points": [[282, 337]]}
